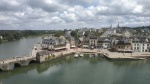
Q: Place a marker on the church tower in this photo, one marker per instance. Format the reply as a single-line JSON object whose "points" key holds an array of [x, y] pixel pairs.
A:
{"points": [[111, 26], [118, 25]]}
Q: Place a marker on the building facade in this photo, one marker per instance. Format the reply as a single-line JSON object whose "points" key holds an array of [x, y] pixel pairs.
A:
{"points": [[54, 43], [123, 46], [141, 45]]}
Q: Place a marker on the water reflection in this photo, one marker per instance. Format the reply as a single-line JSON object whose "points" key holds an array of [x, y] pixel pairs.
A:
{"points": [[40, 68], [84, 70], [17, 48]]}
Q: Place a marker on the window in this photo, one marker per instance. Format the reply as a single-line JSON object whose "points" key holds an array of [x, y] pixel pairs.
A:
{"points": [[134, 48], [134, 44], [137, 44], [137, 47]]}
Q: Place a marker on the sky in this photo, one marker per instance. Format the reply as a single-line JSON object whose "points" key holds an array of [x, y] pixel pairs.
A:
{"points": [[72, 14]]}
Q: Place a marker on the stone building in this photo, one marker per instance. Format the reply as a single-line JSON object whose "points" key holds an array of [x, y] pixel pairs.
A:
{"points": [[126, 34], [54, 43], [71, 41], [123, 46], [103, 43], [92, 40], [43, 56], [141, 44], [85, 43]]}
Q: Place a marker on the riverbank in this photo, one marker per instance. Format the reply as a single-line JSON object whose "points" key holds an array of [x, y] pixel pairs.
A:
{"points": [[34, 36], [84, 69], [39, 55], [100, 52]]}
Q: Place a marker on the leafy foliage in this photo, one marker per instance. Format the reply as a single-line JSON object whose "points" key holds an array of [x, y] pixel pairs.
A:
{"points": [[18, 34], [58, 33]]}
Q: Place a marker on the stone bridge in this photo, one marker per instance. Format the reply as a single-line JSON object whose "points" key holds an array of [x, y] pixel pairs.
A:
{"points": [[9, 64]]}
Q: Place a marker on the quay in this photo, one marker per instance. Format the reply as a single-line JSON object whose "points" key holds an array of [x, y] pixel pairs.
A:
{"points": [[39, 56]]}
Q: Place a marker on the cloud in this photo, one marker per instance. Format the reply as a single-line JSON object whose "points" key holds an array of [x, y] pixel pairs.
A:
{"points": [[11, 5], [63, 14], [47, 5]]}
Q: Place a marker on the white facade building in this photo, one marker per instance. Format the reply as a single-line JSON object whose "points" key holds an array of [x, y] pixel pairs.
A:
{"points": [[54, 43], [126, 34], [140, 45]]}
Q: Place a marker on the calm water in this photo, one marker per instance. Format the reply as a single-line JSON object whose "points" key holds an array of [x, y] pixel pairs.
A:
{"points": [[17, 48], [70, 70], [85, 70]]}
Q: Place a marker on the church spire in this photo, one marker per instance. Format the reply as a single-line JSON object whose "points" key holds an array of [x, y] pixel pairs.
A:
{"points": [[118, 25], [111, 26]]}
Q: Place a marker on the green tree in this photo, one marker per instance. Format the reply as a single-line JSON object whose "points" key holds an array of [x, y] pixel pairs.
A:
{"points": [[17, 35], [58, 33], [86, 34], [74, 33], [10, 37], [97, 33]]}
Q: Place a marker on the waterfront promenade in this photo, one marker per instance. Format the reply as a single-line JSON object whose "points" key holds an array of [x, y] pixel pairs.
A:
{"points": [[108, 54], [116, 55], [9, 64]]}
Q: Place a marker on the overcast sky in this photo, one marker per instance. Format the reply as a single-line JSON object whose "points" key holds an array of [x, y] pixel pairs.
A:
{"points": [[71, 14]]}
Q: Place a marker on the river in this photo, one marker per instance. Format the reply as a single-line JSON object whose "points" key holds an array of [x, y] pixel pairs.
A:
{"points": [[19, 48], [70, 70]]}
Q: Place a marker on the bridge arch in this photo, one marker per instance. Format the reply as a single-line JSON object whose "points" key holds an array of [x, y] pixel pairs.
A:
{"points": [[32, 61], [1, 70], [17, 65]]}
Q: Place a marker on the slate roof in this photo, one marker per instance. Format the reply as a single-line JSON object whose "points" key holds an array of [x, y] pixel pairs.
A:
{"points": [[104, 40], [141, 40], [55, 40], [92, 36], [123, 42]]}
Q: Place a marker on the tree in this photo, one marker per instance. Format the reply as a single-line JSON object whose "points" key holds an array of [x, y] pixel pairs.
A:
{"points": [[58, 33], [17, 35], [10, 37], [86, 34], [74, 33]]}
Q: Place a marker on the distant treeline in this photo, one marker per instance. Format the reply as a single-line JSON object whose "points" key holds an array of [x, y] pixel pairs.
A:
{"points": [[140, 27], [10, 35]]}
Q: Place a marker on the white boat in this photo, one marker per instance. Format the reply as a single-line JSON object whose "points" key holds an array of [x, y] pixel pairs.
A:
{"points": [[96, 55], [81, 55], [76, 55], [90, 55]]}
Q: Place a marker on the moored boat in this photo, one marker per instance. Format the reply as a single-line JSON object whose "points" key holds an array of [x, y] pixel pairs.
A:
{"points": [[81, 55], [90, 55], [96, 55], [76, 55]]}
